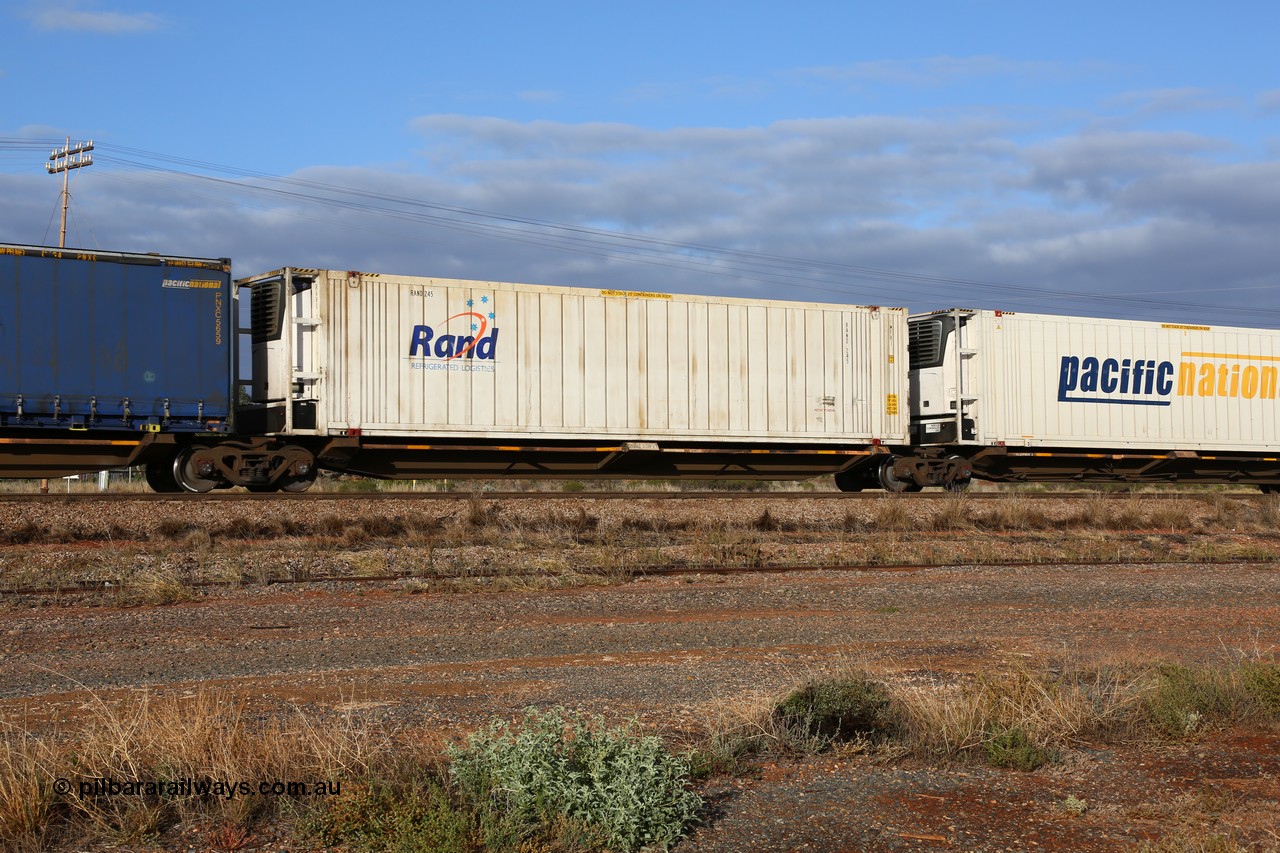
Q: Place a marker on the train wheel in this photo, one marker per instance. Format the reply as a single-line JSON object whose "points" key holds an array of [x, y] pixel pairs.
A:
{"points": [[890, 481], [298, 484], [302, 473], [160, 477], [959, 484], [194, 470]]}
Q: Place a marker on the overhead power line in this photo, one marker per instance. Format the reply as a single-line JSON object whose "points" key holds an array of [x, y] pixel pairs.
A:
{"points": [[810, 274]]}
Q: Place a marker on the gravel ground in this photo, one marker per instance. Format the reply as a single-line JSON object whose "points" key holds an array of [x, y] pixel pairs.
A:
{"points": [[677, 652]]}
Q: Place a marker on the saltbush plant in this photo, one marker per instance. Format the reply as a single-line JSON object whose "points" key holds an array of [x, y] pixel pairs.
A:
{"points": [[1261, 680], [1184, 699], [573, 775], [840, 708], [380, 816], [1013, 748]]}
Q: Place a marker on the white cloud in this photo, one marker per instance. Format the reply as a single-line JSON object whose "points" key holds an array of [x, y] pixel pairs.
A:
{"points": [[1094, 165], [1138, 108], [74, 18], [941, 70], [1269, 102]]}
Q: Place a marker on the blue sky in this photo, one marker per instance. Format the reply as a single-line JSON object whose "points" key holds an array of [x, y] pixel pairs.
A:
{"points": [[1118, 159]]}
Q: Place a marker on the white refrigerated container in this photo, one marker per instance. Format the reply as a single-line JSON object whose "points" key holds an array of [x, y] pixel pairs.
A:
{"points": [[387, 355], [1032, 380]]}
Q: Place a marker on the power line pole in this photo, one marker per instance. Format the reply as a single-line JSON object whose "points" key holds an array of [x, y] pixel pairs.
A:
{"points": [[70, 157]]}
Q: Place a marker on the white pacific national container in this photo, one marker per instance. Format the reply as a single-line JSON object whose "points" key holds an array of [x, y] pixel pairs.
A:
{"points": [[1043, 381], [390, 355]]}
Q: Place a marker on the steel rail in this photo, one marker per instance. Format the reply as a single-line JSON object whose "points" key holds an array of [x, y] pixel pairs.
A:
{"points": [[110, 497]]}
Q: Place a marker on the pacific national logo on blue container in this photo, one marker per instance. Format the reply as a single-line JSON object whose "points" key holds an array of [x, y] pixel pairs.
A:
{"points": [[462, 343], [1154, 382]]}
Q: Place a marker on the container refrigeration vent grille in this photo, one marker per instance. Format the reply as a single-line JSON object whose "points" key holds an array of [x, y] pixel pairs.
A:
{"points": [[264, 311], [924, 345]]}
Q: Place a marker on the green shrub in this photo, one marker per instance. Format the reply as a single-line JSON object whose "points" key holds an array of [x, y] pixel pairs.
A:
{"points": [[550, 776], [843, 708], [1185, 698], [1014, 748], [1261, 680], [377, 817]]}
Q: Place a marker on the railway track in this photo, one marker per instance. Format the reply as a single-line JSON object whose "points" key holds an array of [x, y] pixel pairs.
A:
{"points": [[654, 571], [234, 497]]}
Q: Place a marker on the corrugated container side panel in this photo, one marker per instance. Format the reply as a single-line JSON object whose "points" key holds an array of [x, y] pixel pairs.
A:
{"points": [[617, 377], [569, 363], [528, 355], [813, 408], [359, 328], [406, 312], [778, 398], [798, 393], [412, 395], [550, 410], [471, 397], [699, 368], [832, 367], [483, 385], [594, 361], [634, 369], [756, 381], [739, 368], [857, 376], [381, 344], [346, 366], [882, 340], [506, 398], [679, 378], [656, 346], [718, 380], [571, 366]]}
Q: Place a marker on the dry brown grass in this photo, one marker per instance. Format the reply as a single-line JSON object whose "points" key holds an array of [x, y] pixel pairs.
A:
{"points": [[1021, 716], [205, 737], [252, 542]]}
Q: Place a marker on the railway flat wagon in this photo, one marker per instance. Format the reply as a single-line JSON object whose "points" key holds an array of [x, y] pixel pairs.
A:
{"points": [[399, 376], [108, 358], [1030, 396]]}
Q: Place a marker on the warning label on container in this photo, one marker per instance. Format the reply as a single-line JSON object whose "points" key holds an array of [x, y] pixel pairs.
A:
{"points": [[635, 294]]}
